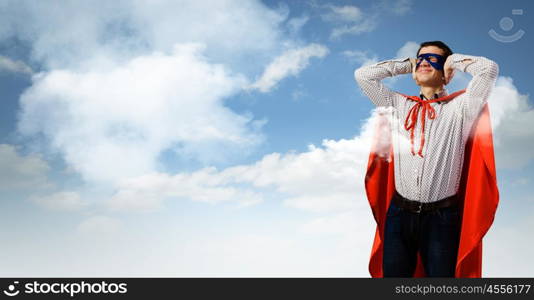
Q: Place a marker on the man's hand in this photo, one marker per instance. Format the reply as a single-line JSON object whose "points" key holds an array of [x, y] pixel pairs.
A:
{"points": [[448, 70], [413, 61]]}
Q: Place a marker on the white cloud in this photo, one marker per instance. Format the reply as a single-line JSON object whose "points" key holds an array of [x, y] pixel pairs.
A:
{"points": [[298, 94], [19, 171], [295, 24], [348, 19], [61, 201], [290, 62], [512, 119], [367, 25], [9, 65], [346, 13], [409, 49], [322, 180], [512, 116], [127, 80], [121, 29], [363, 58], [114, 122]]}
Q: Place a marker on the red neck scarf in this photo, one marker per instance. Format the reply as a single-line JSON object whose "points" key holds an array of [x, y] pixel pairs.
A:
{"points": [[413, 113]]}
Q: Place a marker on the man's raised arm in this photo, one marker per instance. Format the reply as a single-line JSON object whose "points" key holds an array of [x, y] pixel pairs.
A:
{"points": [[370, 79], [484, 72]]}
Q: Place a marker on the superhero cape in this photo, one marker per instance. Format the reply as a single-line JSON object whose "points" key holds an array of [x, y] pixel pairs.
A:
{"points": [[478, 189]]}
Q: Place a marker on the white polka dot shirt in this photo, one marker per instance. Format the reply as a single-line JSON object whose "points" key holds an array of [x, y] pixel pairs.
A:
{"points": [[437, 174]]}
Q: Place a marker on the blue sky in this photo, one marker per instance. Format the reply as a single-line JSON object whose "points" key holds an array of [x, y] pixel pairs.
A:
{"points": [[201, 138]]}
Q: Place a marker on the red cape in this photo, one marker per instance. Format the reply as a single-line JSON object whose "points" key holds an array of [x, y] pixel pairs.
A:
{"points": [[478, 187]]}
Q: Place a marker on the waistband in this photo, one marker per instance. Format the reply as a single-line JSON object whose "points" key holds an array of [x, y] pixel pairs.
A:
{"points": [[417, 207]]}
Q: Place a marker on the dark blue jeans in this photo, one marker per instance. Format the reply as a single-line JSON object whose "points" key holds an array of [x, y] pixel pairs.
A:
{"points": [[435, 235]]}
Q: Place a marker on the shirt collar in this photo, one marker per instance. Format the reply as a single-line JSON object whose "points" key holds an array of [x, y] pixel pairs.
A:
{"points": [[439, 94]]}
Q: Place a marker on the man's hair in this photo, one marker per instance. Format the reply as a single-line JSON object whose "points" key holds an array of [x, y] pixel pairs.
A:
{"points": [[447, 51]]}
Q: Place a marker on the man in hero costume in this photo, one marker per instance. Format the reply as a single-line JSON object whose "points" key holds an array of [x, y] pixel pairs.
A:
{"points": [[434, 192]]}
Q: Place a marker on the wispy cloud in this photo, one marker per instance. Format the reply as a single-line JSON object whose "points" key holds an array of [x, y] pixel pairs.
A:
{"points": [[9, 65], [291, 62], [346, 13], [348, 19], [351, 20], [367, 25], [361, 57], [397, 7], [295, 24]]}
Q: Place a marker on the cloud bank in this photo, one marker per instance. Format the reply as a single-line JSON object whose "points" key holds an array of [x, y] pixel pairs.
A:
{"points": [[127, 82]]}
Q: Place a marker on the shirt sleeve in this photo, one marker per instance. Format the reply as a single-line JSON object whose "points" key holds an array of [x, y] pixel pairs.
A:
{"points": [[484, 72], [370, 77]]}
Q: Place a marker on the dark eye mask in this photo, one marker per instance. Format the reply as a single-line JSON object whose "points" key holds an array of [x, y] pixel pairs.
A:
{"points": [[435, 60]]}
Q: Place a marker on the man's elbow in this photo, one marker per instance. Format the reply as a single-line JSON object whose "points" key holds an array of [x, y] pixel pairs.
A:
{"points": [[359, 75], [492, 69]]}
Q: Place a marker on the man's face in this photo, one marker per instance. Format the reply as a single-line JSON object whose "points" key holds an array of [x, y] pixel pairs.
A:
{"points": [[425, 74]]}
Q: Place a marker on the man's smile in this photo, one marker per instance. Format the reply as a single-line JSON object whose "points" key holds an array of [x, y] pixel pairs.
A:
{"points": [[424, 70]]}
